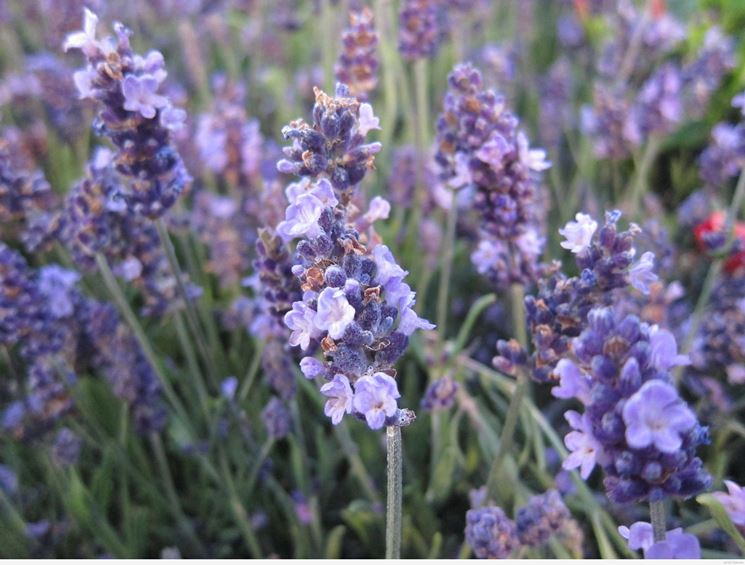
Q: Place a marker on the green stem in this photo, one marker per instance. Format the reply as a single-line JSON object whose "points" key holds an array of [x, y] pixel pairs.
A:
{"points": [[523, 382], [191, 312], [642, 174], [126, 311], [239, 512], [443, 295], [393, 513], [657, 517], [253, 370]]}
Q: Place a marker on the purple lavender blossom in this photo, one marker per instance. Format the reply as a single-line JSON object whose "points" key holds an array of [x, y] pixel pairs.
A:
{"points": [[276, 418], [357, 66], [340, 397], [544, 516], [476, 131], [125, 86], [419, 31], [642, 273], [301, 321], [440, 395], [734, 503], [676, 545], [490, 533], [66, 448], [334, 145], [375, 397], [56, 285], [578, 234]]}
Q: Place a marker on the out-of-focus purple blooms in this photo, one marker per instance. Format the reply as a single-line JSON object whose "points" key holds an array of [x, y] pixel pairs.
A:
{"points": [[702, 76], [302, 508], [676, 545], [276, 418], [664, 350], [642, 274], [118, 356], [228, 388], [420, 30], [476, 128], [27, 203], [440, 395], [490, 533], [375, 397], [340, 396], [543, 516], [66, 448], [56, 284], [556, 106], [724, 157], [658, 107], [501, 61], [607, 123], [8, 480], [734, 503], [719, 348], [738, 101], [334, 145], [125, 85], [357, 66]]}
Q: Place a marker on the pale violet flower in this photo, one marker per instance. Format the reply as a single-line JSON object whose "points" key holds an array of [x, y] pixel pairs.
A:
{"points": [[321, 189], [375, 398], [340, 398], [664, 350], [300, 321], [655, 416], [462, 176], [493, 151], [573, 383], [531, 243], [85, 40], [140, 95], [410, 322], [585, 450], [578, 234], [335, 313], [172, 118], [83, 80], [368, 121], [379, 209], [534, 159], [642, 273], [301, 218], [311, 367], [56, 284], [639, 535], [733, 502], [486, 255], [152, 64], [387, 268]]}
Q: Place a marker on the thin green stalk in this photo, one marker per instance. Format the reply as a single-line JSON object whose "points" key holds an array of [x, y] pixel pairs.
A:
{"points": [[126, 311], [327, 46], [253, 370], [239, 512], [641, 175], [394, 499], [657, 517], [523, 382], [358, 467], [465, 330], [191, 312], [443, 295], [165, 472], [194, 369]]}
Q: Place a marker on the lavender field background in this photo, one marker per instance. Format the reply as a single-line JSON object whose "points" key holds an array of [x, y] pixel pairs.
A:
{"points": [[372, 278]]}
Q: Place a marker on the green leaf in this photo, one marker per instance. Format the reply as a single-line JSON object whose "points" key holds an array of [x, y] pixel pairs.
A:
{"points": [[334, 541], [722, 518]]}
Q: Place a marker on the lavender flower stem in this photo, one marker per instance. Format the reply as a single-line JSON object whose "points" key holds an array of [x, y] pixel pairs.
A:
{"points": [[241, 516], [191, 316], [445, 273], [327, 47], [657, 517], [714, 269], [126, 311], [642, 173], [521, 388], [393, 514]]}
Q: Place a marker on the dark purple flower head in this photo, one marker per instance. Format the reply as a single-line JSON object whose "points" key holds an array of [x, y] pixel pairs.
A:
{"points": [[545, 515], [490, 533], [334, 145], [635, 425], [357, 66], [440, 395], [131, 115], [480, 144], [420, 29], [66, 448], [276, 418]]}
